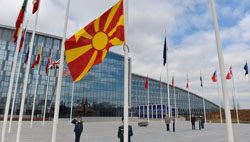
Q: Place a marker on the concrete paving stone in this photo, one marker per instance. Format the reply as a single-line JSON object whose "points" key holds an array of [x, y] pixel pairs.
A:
{"points": [[107, 132]]}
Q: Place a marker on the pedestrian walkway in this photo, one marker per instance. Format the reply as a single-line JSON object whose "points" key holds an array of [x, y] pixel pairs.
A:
{"points": [[107, 132]]}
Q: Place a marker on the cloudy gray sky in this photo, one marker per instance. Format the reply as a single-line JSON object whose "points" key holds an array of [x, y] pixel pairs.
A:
{"points": [[190, 35]]}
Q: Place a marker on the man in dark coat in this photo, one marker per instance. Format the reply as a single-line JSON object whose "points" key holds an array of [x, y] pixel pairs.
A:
{"points": [[121, 131], [193, 119], [200, 122], [78, 128], [203, 122]]}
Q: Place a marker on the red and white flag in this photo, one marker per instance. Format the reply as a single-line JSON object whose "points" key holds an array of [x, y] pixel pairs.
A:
{"points": [[35, 6], [187, 82]]}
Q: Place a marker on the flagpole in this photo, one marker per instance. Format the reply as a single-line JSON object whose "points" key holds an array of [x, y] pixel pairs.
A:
{"points": [[17, 80], [125, 48], [34, 98], [223, 79], [249, 78], [174, 101], [168, 81], [59, 81], [204, 105], [189, 106], [71, 105], [161, 106], [47, 89], [235, 102], [219, 101], [148, 102], [26, 78], [7, 105]]}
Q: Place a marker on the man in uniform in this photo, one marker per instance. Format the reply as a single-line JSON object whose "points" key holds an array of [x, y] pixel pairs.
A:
{"points": [[78, 128], [193, 119], [121, 129]]}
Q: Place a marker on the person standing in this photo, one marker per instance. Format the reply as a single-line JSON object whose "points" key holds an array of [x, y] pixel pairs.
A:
{"points": [[173, 120], [121, 131], [203, 121], [167, 121], [200, 122], [193, 119], [78, 128]]}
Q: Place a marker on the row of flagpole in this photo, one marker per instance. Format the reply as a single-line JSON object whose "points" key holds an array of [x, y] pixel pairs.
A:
{"points": [[12, 80]]}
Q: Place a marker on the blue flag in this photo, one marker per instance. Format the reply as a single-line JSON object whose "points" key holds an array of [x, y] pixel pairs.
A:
{"points": [[201, 81], [165, 52], [246, 69]]}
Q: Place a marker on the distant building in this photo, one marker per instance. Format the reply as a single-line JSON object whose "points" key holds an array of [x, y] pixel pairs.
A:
{"points": [[99, 93]]}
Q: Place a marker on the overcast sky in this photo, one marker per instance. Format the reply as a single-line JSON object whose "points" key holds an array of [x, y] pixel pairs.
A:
{"points": [[190, 35]]}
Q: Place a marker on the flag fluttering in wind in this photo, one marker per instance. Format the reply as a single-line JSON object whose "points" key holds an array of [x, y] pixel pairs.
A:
{"points": [[187, 86], [146, 83], [37, 58], [228, 77], [19, 20], [173, 82], [165, 52], [160, 83], [246, 69], [231, 70], [35, 6], [214, 77], [90, 45], [22, 39], [48, 62], [27, 55], [201, 81], [55, 65]]}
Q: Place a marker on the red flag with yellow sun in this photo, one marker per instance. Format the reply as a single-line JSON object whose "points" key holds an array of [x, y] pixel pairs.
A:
{"points": [[90, 45]]}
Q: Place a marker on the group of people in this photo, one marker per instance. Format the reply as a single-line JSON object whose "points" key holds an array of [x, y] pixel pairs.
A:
{"points": [[79, 127], [168, 122], [201, 122]]}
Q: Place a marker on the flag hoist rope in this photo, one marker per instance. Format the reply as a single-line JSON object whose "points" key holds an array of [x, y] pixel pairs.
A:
{"points": [[222, 72]]}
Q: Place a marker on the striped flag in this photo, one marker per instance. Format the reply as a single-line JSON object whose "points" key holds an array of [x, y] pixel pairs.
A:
{"points": [[37, 58], [22, 39], [48, 62], [214, 77]]}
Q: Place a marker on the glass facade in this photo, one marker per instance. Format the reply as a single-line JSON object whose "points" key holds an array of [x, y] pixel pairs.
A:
{"points": [[139, 97], [99, 93]]}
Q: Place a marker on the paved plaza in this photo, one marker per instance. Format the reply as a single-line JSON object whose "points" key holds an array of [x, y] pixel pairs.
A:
{"points": [[107, 132]]}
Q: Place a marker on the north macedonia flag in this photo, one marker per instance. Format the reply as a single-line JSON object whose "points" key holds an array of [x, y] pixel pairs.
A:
{"points": [[90, 45]]}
